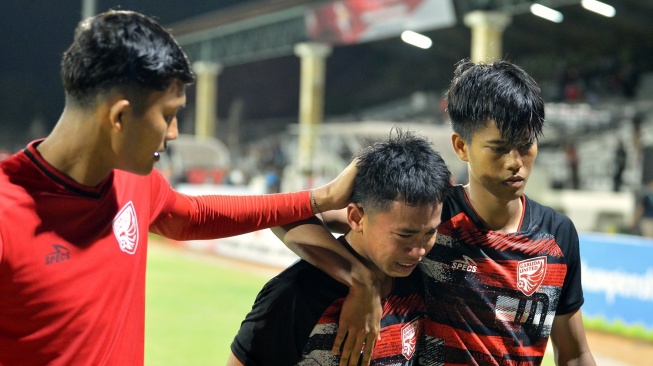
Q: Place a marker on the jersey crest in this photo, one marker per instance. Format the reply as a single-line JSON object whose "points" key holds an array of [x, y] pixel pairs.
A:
{"points": [[530, 274], [125, 228], [409, 333]]}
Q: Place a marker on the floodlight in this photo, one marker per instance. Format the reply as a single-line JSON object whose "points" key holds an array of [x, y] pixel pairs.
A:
{"points": [[599, 8], [547, 13], [416, 39]]}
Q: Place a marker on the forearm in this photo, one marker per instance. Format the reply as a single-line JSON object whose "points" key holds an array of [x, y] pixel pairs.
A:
{"points": [[219, 216], [569, 342], [311, 241], [361, 311], [585, 359], [336, 221], [582, 359]]}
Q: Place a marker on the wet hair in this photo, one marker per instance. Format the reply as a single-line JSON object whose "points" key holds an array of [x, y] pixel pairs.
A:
{"points": [[501, 92], [124, 51], [402, 168]]}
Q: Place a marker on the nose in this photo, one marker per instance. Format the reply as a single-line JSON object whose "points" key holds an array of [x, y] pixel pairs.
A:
{"points": [[514, 160], [172, 132], [417, 251]]}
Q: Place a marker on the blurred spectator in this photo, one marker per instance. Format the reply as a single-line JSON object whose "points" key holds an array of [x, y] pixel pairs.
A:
{"points": [[629, 77], [572, 90], [620, 165], [272, 181], [610, 76], [643, 223], [638, 119], [236, 177], [572, 163]]}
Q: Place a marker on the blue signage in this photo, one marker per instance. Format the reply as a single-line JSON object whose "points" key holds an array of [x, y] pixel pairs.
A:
{"points": [[617, 272]]}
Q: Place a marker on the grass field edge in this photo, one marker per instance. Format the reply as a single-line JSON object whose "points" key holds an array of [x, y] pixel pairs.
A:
{"points": [[618, 327]]}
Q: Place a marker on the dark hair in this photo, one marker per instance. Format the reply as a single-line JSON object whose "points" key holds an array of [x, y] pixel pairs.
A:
{"points": [[404, 167], [121, 49], [501, 92]]}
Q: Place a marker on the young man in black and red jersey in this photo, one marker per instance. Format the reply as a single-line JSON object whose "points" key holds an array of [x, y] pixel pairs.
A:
{"points": [[77, 206], [504, 274], [395, 211]]}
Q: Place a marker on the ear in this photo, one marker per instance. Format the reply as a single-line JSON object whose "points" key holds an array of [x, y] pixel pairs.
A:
{"points": [[118, 110], [355, 215], [460, 147]]}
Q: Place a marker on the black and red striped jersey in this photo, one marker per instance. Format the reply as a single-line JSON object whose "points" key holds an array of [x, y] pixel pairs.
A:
{"points": [[491, 297], [294, 321]]}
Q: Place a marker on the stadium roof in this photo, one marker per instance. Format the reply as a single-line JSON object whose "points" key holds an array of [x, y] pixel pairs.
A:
{"points": [[580, 31]]}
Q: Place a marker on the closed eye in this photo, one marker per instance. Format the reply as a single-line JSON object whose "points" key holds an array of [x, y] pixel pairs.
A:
{"points": [[410, 235], [525, 147], [500, 149], [506, 149]]}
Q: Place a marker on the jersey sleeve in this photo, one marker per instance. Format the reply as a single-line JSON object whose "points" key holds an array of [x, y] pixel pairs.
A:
{"points": [[285, 312], [162, 196], [259, 340], [218, 216], [571, 297]]}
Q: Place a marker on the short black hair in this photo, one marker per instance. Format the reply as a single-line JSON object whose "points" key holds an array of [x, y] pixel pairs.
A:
{"points": [[121, 49], [502, 92], [405, 167]]}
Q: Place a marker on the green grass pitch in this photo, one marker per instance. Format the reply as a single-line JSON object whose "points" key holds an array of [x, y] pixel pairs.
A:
{"points": [[194, 307]]}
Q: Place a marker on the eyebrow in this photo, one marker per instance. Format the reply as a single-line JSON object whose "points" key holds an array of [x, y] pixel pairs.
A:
{"points": [[509, 143], [412, 231]]}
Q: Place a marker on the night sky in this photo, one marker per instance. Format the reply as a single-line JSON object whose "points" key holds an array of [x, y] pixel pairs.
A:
{"points": [[34, 34]]}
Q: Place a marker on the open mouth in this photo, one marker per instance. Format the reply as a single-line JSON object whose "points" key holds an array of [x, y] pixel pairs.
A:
{"points": [[407, 265]]}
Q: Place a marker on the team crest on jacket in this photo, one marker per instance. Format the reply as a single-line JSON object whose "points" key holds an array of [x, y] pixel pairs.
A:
{"points": [[125, 228], [530, 274], [409, 333]]}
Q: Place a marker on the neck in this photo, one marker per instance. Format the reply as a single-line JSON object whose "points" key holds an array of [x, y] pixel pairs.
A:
{"points": [[75, 147], [497, 215]]}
